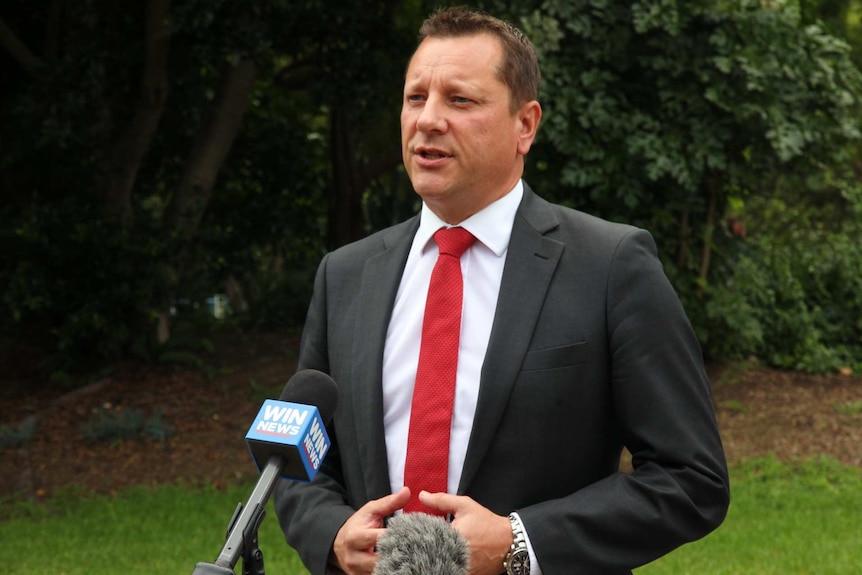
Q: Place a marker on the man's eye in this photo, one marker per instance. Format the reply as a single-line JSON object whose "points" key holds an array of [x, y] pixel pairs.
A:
{"points": [[460, 100], [415, 98]]}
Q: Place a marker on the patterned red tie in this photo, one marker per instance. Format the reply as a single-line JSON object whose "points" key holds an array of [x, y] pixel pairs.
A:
{"points": [[427, 465]]}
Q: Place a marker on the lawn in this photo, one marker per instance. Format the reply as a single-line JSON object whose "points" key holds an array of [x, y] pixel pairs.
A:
{"points": [[165, 531], [786, 519], [783, 519]]}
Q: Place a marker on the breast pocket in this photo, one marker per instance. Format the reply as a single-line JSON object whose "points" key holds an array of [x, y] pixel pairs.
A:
{"points": [[556, 357]]}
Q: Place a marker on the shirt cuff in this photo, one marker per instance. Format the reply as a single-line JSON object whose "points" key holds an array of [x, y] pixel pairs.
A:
{"points": [[534, 563]]}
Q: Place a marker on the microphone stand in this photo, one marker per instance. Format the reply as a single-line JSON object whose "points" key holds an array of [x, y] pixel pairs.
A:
{"points": [[242, 538], [252, 556]]}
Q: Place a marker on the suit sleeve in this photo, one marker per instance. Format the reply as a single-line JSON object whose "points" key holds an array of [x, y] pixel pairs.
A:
{"points": [[310, 514], [663, 408]]}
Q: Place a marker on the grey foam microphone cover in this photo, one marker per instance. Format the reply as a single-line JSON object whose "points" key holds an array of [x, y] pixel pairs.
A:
{"points": [[421, 544]]}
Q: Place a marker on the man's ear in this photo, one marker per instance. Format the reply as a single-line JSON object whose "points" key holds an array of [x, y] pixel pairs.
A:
{"points": [[529, 117]]}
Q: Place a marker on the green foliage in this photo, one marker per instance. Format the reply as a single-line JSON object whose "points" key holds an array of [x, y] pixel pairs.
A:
{"points": [[733, 406], [849, 408], [794, 296], [646, 103], [85, 288], [669, 115], [79, 285], [115, 424], [282, 298], [18, 435], [188, 345], [657, 113]]}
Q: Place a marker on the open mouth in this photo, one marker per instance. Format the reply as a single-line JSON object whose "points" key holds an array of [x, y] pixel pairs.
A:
{"points": [[431, 154]]}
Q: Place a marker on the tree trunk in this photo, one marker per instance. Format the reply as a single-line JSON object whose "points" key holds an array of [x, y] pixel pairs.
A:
{"points": [[128, 153], [350, 179], [52, 30], [235, 294], [345, 202], [708, 232], [211, 146], [212, 143], [684, 232]]}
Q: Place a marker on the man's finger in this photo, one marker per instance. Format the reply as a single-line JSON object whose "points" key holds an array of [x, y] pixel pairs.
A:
{"points": [[389, 504], [444, 502]]}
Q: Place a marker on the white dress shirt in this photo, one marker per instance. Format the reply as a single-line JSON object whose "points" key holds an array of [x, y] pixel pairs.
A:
{"points": [[482, 270]]}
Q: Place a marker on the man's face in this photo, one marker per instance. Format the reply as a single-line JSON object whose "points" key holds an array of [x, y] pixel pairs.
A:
{"points": [[462, 146]]}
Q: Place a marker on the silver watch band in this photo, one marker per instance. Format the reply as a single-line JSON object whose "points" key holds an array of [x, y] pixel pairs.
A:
{"points": [[517, 561]]}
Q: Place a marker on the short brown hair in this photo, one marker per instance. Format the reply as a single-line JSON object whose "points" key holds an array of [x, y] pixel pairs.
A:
{"points": [[519, 69]]}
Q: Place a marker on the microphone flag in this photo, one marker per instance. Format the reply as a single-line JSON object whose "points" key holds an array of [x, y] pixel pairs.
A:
{"points": [[291, 430]]}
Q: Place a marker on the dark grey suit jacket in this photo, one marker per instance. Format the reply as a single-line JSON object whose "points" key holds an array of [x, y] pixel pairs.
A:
{"points": [[590, 351]]}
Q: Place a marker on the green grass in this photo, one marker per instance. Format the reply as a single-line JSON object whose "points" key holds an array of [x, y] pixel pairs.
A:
{"points": [[165, 530], [849, 408], [803, 518]]}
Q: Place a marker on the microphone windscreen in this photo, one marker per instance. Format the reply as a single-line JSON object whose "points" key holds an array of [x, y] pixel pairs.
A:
{"points": [[312, 387], [421, 544]]}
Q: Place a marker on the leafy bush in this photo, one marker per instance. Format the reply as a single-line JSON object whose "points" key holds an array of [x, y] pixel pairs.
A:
{"points": [[280, 300], [667, 115], [18, 435], [793, 298], [93, 247], [78, 285], [118, 424]]}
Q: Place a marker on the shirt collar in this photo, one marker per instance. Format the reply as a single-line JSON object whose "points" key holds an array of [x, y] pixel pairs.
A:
{"points": [[492, 225]]}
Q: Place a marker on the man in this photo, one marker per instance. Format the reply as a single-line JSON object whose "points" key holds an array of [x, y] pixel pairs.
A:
{"points": [[572, 345]]}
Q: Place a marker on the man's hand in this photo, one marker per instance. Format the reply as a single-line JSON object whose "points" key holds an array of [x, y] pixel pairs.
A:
{"points": [[489, 535], [353, 549]]}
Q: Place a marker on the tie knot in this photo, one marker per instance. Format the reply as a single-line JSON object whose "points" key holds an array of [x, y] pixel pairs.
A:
{"points": [[453, 241]]}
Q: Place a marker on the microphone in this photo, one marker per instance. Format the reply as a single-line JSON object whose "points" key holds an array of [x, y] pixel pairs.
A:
{"points": [[287, 439], [421, 544], [293, 428]]}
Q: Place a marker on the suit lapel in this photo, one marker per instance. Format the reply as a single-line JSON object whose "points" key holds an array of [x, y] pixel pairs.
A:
{"points": [[381, 276], [530, 264]]}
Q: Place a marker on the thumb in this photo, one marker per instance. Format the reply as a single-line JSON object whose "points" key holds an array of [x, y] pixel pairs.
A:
{"points": [[443, 502], [389, 504]]}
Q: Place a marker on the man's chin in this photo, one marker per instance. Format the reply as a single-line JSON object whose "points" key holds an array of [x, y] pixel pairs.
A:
{"points": [[431, 188]]}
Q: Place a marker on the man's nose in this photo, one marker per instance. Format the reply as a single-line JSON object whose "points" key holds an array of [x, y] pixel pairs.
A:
{"points": [[433, 116]]}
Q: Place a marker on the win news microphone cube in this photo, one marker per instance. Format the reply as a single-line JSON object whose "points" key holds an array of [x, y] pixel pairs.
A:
{"points": [[293, 431]]}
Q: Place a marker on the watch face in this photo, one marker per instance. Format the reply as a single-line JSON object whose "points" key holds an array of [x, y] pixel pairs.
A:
{"points": [[521, 562]]}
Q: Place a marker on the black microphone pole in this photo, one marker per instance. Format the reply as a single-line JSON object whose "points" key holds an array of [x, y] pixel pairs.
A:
{"points": [[243, 528], [289, 435]]}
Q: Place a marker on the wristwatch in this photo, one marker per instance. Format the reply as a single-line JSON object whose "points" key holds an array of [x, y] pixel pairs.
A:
{"points": [[517, 561]]}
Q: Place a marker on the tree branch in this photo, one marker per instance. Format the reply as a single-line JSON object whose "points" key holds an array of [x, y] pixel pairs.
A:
{"points": [[295, 75], [19, 51], [128, 153], [708, 231], [52, 30], [212, 143]]}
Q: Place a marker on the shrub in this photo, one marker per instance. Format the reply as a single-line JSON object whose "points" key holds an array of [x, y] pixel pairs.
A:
{"points": [[79, 287], [113, 425], [793, 298], [18, 435]]}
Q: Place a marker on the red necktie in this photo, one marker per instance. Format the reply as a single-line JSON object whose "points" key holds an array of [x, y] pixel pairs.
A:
{"points": [[427, 465]]}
